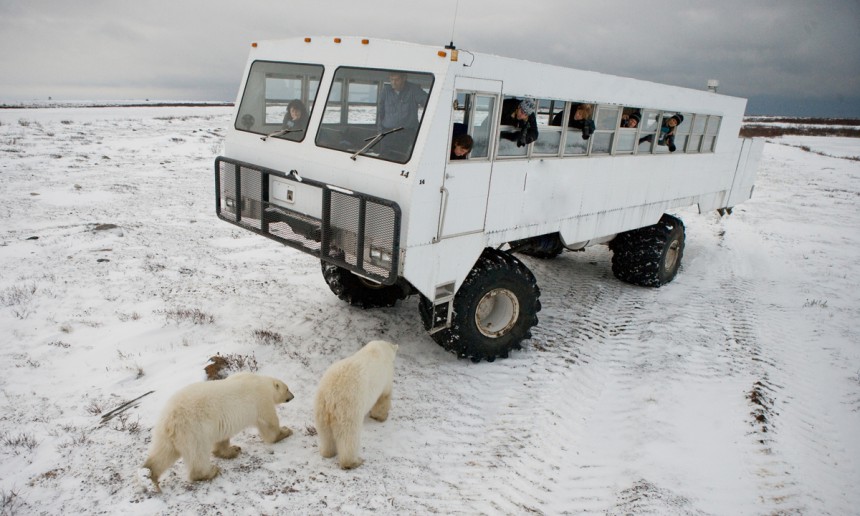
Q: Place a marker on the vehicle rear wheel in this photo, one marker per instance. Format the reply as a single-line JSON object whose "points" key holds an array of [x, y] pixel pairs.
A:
{"points": [[649, 256], [358, 291], [493, 310]]}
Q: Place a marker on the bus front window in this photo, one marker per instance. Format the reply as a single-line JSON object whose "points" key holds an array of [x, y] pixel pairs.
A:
{"points": [[375, 113], [278, 99]]}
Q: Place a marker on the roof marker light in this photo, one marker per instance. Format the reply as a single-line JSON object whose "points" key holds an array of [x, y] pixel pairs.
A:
{"points": [[337, 40], [365, 42], [254, 45], [307, 40], [441, 53]]}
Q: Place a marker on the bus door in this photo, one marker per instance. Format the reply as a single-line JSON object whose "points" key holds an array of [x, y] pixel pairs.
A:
{"points": [[466, 185]]}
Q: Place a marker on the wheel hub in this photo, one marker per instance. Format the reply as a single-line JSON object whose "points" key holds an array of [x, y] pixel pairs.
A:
{"points": [[497, 312], [671, 255]]}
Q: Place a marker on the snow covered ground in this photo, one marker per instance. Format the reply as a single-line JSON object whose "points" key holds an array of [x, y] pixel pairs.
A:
{"points": [[733, 390]]}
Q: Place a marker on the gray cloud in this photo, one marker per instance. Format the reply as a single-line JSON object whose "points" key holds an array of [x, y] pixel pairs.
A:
{"points": [[787, 56]]}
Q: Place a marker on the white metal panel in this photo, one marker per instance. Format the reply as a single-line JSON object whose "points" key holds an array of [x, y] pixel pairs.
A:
{"points": [[466, 185], [746, 171]]}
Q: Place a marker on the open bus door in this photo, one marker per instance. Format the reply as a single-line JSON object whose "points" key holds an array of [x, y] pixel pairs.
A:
{"points": [[467, 181]]}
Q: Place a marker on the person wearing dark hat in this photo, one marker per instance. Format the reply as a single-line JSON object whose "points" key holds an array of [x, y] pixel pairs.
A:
{"points": [[631, 121], [667, 132], [521, 115]]}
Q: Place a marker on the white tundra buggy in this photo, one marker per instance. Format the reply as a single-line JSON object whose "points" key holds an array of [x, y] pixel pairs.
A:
{"points": [[342, 148]]}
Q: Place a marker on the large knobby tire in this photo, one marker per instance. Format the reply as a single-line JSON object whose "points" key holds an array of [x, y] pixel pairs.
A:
{"points": [[358, 291], [493, 310], [649, 256]]}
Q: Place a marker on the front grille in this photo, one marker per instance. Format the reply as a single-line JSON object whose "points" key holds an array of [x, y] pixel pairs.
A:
{"points": [[356, 231]]}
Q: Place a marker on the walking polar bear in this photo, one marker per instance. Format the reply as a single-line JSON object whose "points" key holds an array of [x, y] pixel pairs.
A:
{"points": [[201, 418], [347, 391]]}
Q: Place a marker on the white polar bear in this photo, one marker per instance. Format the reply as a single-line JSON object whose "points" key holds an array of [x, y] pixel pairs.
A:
{"points": [[347, 391], [201, 418]]}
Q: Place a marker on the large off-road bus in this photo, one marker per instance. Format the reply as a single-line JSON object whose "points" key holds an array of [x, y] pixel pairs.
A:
{"points": [[313, 160]]}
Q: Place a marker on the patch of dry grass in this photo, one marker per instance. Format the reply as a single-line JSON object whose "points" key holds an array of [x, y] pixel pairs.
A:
{"points": [[220, 366], [193, 315]]}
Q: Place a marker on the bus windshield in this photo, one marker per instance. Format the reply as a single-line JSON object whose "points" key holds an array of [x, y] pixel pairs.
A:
{"points": [[278, 99], [375, 113]]}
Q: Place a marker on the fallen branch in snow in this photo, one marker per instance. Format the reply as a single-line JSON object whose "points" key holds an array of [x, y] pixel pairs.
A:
{"points": [[122, 408]]}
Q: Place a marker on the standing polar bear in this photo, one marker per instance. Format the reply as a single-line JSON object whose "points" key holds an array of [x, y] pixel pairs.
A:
{"points": [[349, 389], [201, 418]]}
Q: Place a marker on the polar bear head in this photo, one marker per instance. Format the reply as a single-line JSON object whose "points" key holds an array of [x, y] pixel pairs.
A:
{"points": [[281, 392], [383, 348], [263, 385]]}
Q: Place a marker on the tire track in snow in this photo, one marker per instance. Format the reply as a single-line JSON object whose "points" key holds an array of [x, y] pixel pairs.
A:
{"points": [[604, 367], [796, 435], [521, 469]]}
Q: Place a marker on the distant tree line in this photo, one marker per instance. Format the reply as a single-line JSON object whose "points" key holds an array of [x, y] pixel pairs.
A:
{"points": [[764, 126]]}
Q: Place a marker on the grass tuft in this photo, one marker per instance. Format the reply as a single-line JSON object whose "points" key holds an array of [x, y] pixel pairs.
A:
{"points": [[269, 337], [192, 315], [220, 366], [26, 441]]}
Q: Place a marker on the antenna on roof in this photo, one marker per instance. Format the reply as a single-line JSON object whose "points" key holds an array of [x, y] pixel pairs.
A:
{"points": [[453, 25]]}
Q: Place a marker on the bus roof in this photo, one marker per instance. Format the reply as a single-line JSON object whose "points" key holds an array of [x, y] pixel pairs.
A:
{"points": [[519, 77]]}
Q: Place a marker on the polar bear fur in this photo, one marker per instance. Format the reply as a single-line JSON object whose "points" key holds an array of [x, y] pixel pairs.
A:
{"points": [[201, 418], [349, 389]]}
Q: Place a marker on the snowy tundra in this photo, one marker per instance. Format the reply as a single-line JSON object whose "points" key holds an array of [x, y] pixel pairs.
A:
{"points": [[733, 390]]}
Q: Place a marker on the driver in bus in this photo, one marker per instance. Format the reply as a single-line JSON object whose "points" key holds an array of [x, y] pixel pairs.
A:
{"points": [[398, 106]]}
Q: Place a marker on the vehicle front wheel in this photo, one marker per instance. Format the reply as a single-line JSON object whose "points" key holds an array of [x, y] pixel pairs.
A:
{"points": [[493, 310], [358, 291], [649, 256]]}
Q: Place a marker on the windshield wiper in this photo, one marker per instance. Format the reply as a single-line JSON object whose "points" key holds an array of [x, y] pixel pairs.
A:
{"points": [[374, 140], [280, 132]]}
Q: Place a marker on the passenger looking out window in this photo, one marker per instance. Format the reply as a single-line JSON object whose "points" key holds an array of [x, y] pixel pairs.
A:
{"points": [[580, 118], [630, 120], [519, 114], [667, 132], [461, 146]]}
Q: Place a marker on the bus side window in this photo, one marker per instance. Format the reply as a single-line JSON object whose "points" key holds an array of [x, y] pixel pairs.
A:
{"points": [[698, 129], [711, 129], [604, 132], [580, 126], [682, 132], [648, 127], [670, 138], [549, 134], [508, 130], [627, 129], [473, 116], [484, 113]]}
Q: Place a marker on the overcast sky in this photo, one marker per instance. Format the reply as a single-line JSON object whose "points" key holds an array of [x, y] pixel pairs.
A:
{"points": [[793, 57]]}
